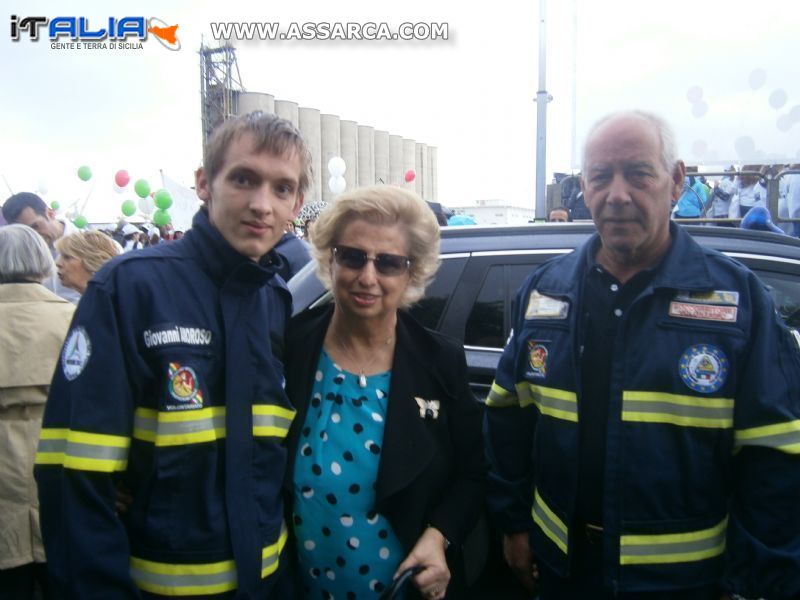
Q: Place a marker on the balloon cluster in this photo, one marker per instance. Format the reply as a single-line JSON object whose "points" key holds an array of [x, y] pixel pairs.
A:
{"points": [[336, 168], [147, 203]]}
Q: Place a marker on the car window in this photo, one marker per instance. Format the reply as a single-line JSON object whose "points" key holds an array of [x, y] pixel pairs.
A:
{"points": [[489, 321], [429, 310], [785, 290]]}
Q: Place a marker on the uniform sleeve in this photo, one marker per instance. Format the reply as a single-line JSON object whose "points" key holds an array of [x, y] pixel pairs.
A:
{"points": [[508, 434], [82, 451], [763, 539]]}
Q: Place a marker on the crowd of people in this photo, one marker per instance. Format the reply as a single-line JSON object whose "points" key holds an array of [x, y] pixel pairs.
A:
{"points": [[728, 197], [178, 433]]}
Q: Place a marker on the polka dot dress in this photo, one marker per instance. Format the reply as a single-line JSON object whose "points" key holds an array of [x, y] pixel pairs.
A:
{"points": [[346, 549]]}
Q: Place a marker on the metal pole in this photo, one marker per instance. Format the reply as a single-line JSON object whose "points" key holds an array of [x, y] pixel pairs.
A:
{"points": [[542, 98]]}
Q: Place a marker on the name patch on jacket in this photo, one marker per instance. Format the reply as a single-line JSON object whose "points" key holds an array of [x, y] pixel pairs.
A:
{"points": [[717, 305], [541, 306], [176, 334]]}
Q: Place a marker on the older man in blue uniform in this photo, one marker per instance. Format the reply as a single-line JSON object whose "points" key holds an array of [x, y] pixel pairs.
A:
{"points": [[644, 422], [170, 386]]}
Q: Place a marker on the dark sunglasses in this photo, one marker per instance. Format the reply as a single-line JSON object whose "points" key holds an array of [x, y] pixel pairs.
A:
{"points": [[356, 259]]}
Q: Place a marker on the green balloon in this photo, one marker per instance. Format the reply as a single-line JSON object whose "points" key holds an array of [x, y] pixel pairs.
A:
{"points": [[85, 173], [55, 205], [80, 221], [161, 218], [142, 188], [129, 208], [163, 199]]}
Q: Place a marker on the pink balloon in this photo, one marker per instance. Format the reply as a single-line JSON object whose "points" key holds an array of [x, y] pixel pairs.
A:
{"points": [[410, 175], [122, 178]]}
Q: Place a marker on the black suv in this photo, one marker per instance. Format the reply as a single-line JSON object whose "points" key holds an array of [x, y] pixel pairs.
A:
{"points": [[482, 268]]}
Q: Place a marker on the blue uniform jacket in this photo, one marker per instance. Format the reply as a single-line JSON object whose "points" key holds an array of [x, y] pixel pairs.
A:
{"points": [[169, 384], [702, 465]]}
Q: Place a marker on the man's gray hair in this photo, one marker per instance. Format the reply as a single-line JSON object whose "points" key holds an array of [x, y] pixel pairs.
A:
{"points": [[24, 255], [666, 135]]}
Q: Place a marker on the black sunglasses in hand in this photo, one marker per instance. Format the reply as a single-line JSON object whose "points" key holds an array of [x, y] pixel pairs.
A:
{"points": [[399, 582], [356, 259]]}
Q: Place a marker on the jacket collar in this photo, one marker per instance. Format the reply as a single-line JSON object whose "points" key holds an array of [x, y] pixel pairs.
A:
{"points": [[684, 266], [28, 292], [222, 262]]}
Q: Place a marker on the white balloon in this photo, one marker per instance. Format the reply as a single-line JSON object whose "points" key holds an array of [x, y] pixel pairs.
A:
{"points": [[146, 205], [336, 166], [117, 189], [42, 188], [337, 184]]}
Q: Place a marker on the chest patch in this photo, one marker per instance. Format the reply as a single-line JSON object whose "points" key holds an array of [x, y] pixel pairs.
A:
{"points": [[546, 307], [184, 388], [537, 359], [703, 368]]}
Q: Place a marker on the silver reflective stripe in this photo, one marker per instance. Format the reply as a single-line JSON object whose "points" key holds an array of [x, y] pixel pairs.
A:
{"points": [[216, 421], [553, 527], [271, 421], [706, 412], [781, 436], [184, 584], [78, 450], [688, 546], [52, 445], [677, 409]]}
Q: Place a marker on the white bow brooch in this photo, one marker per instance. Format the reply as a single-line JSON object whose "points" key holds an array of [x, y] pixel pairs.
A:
{"points": [[428, 409]]}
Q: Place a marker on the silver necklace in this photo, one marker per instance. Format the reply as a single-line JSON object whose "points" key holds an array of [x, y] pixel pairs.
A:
{"points": [[362, 378]]}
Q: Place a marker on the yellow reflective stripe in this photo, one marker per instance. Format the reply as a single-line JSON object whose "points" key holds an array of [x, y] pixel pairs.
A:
{"points": [[781, 436], [270, 420], [271, 554], [677, 409], [499, 397], [82, 450], [554, 402], [553, 527], [200, 579], [673, 547], [176, 428]]}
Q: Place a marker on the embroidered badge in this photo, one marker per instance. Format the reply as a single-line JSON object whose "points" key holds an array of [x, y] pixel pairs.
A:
{"points": [[703, 368], [537, 359], [184, 387], [428, 409], [703, 312], [76, 352], [546, 307]]}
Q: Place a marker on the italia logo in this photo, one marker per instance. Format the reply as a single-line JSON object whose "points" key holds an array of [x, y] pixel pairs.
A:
{"points": [[108, 32]]}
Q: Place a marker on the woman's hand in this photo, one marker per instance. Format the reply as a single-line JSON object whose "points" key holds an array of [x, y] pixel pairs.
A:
{"points": [[428, 553]]}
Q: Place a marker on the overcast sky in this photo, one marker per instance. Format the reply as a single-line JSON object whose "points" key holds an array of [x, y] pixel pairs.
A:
{"points": [[727, 79]]}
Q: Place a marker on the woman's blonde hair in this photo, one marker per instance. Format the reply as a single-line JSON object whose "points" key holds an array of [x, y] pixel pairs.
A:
{"points": [[92, 248], [382, 205]]}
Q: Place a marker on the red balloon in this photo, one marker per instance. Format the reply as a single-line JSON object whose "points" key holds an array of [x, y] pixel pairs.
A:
{"points": [[122, 178], [410, 175]]}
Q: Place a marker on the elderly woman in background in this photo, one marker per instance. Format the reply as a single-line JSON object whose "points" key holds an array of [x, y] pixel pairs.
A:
{"points": [[388, 468], [34, 325], [81, 255]]}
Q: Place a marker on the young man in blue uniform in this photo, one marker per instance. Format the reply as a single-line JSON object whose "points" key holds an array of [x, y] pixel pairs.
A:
{"points": [[644, 423], [170, 386]]}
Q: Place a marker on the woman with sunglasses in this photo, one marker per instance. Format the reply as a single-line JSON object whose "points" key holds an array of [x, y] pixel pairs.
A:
{"points": [[387, 467]]}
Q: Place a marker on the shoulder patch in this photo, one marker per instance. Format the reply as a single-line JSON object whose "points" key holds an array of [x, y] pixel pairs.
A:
{"points": [[76, 353]]}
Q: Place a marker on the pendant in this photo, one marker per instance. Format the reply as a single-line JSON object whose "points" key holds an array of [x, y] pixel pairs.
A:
{"points": [[362, 381]]}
